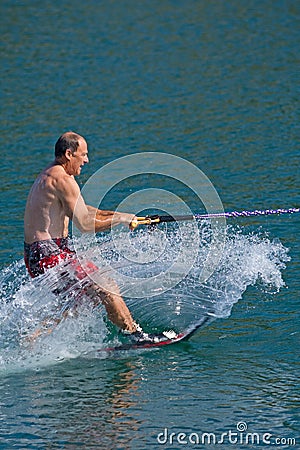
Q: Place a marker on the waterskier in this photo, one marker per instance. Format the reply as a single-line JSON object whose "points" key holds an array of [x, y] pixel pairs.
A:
{"points": [[50, 206]]}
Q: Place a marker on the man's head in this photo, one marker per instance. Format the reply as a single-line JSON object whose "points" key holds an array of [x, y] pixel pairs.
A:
{"points": [[68, 140], [71, 151]]}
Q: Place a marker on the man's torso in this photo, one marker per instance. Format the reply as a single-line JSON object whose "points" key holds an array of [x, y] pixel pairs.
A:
{"points": [[45, 217]]}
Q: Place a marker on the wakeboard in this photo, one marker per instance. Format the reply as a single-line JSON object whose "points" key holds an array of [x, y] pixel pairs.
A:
{"points": [[160, 342]]}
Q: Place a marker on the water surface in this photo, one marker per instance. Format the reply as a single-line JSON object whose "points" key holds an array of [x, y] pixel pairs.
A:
{"points": [[217, 84]]}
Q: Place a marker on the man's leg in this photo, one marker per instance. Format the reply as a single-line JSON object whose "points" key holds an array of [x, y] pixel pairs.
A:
{"points": [[117, 310], [108, 295], [119, 314]]}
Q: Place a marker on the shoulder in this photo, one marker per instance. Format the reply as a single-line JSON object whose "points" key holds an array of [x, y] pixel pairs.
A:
{"points": [[59, 175], [66, 184], [60, 180]]}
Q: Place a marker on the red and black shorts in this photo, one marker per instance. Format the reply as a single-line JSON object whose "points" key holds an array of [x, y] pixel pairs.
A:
{"points": [[42, 255]]}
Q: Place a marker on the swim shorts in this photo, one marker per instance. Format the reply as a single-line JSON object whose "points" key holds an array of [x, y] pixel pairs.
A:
{"points": [[42, 255]]}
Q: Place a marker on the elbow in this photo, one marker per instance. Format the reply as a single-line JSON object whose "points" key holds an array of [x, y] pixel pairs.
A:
{"points": [[84, 229], [84, 226]]}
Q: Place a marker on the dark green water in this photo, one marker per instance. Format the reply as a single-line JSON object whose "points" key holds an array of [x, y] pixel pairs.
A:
{"points": [[215, 83]]}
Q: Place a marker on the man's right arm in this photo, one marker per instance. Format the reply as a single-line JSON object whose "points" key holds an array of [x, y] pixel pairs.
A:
{"points": [[87, 218], [73, 204], [104, 220]]}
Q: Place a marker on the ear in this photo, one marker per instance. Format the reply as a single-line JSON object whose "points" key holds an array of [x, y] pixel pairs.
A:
{"points": [[68, 154]]}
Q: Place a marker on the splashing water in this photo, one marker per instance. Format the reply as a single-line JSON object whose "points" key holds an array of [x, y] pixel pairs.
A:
{"points": [[28, 303], [247, 259]]}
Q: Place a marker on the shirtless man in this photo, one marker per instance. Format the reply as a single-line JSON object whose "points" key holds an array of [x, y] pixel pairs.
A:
{"points": [[51, 204]]}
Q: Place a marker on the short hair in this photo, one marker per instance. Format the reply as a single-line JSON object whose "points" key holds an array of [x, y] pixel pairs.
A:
{"points": [[68, 140]]}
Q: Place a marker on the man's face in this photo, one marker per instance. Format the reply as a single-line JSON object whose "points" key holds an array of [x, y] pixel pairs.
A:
{"points": [[79, 158]]}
